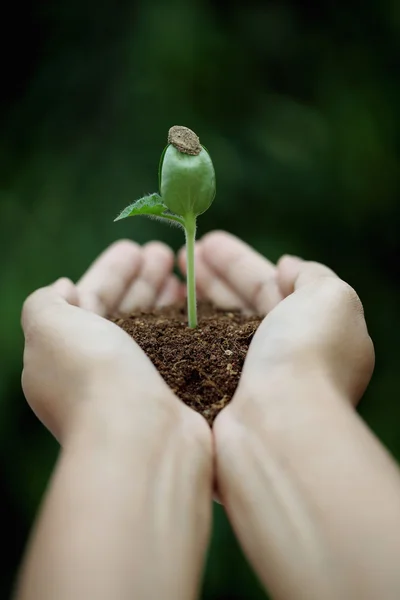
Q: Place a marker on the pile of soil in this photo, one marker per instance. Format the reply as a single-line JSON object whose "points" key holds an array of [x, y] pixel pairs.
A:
{"points": [[203, 365]]}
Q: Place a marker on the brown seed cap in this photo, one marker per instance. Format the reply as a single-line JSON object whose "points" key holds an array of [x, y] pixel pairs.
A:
{"points": [[184, 139]]}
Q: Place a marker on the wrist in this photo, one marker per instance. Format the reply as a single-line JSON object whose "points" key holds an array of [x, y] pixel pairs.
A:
{"points": [[114, 406], [275, 416], [126, 414], [265, 392], [266, 413]]}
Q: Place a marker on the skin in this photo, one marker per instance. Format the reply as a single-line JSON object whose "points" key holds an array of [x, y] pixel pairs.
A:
{"points": [[126, 441], [312, 495]]}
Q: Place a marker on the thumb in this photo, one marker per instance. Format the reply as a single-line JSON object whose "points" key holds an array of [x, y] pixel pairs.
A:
{"points": [[294, 273], [35, 309]]}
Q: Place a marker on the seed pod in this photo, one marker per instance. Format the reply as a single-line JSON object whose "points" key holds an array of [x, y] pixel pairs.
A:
{"points": [[187, 177]]}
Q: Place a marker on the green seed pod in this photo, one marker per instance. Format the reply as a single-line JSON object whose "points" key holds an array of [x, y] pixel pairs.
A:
{"points": [[187, 177]]}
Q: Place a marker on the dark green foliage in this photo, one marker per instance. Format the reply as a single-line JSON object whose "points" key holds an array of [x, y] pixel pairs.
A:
{"points": [[299, 104]]}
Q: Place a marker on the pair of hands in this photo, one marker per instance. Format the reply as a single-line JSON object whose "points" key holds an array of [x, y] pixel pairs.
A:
{"points": [[314, 321], [313, 497]]}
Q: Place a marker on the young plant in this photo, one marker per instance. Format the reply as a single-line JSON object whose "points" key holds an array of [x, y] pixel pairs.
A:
{"points": [[187, 188]]}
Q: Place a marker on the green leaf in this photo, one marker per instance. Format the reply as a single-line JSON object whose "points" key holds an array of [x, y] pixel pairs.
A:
{"points": [[150, 206]]}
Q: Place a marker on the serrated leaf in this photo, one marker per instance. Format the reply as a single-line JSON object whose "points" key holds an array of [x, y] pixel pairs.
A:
{"points": [[148, 205], [151, 206]]}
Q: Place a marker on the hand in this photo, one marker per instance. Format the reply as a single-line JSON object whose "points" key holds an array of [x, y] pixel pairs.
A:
{"points": [[319, 327], [72, 352], [315, 320], [302, 478], [132, 484]]}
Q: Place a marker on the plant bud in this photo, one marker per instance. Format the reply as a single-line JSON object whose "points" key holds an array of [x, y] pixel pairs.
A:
{"points": [[187, 176]]}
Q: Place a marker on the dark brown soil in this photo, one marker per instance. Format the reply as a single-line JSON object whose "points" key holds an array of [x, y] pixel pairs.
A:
{"points": [[202, 365]]}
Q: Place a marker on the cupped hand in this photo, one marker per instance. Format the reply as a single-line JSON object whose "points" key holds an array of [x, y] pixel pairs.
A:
{"points": [[302, 477], [317, 329], [314, 323], [72, 352], [135, 470]]}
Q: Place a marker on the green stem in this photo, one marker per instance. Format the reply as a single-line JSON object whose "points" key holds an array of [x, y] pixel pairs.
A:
{"points": [[190, 232]]}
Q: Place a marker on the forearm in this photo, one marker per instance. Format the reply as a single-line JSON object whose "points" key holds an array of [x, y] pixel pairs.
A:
{"points": [[313, 497], [127, 515]]}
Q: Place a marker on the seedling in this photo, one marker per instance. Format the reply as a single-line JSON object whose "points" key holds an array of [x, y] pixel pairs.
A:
{"points": [[186, 180]]}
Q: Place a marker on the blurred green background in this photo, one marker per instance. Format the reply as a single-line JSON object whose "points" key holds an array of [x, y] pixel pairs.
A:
{"points": [[298, 104]]}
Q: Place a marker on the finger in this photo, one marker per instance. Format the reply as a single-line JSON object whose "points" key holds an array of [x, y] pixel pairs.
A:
{"points": [[36, 307], [65, 288], [246, 272], [293, 273], [157, 264], [105, 283], [172, 291], [209, 284]]}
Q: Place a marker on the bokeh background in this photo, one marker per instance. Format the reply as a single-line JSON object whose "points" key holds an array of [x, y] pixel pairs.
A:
{"points": [[298, 103]]}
